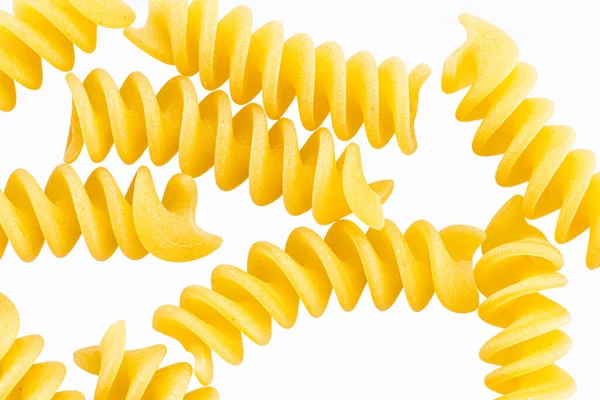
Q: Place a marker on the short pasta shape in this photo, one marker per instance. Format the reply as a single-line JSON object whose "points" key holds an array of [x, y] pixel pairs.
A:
{"points": [[135, 374], [423, 261], [207, 135], [49, 30], [514, 126], [137, 222], [20, 378], [355, 91], [517, 264]]}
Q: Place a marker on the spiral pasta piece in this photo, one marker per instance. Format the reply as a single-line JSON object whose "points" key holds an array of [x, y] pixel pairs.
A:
{"points": [[135, 374], [49, 29], [517, 264], [513, 125], [355, 92], [423, 261], [20, 378], [239, 147], [137, 223]]}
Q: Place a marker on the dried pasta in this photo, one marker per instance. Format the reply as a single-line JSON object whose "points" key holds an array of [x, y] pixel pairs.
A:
{"points": [[355, 91], [422, 260], [514, 125], [137, 223], [240, 147], [49, 29], [20, 378], [135, 374], [517, 264]]}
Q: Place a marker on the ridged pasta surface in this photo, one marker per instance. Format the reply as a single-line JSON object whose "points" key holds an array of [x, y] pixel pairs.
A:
{"points": [[514, 126], [423, 261], [137, 223], [135, 374], [517, 264], [240, 147], [355, 91], [20, 378], [49, 30]]}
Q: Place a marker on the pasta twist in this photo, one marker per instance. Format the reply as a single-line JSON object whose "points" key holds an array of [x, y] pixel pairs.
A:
{"points": [[137, 223], [513, 125], [517, 264], [423, 261], [48, 29], [135, 374], [20, 378], [239, 147], [384, 98]]}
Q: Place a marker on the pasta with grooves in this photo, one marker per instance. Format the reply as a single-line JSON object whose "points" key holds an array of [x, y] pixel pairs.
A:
{"points": [[514, 125], [423, 261], [135, 374], [137, 222], [49, 30], [20, 378], [517, 264], [355, 91], [240, 147]]}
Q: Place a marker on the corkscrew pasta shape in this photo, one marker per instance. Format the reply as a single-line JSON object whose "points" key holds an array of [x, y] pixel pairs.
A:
{"points": [[355, 91], [423, 261], [514, 125], [517, 264], [49, 29], [137, 222], [135, 374], [239, 147], [20, 378]]}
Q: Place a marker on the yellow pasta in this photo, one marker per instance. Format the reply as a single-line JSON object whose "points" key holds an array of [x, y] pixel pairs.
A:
{"points": [[239, 147], [423, 261], [513, 125], [518, 262], [20, 378], [355, 91], [48, 29], [138, 223], [135, 374]]}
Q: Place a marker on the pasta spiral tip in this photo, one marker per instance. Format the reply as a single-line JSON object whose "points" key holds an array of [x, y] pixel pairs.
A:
{"points": [[423, 261], [137, 222], [517, 264], [240, 147], [48, 29], [135, 374], [355, 92], [514, 126], [20, 378]]}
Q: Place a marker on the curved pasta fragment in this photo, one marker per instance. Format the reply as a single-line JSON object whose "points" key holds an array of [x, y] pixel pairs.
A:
{"points": [[517, 264], [514, 125], [355, 91], [207, 135], [137, 222], [423, 261]]}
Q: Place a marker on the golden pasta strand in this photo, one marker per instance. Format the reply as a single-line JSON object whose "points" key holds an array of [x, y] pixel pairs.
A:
{"points": [[355, 91], [423, 261], [517, 264], [49, 29], [137, 223], [514, 125], [240, 147], [20, 378]]}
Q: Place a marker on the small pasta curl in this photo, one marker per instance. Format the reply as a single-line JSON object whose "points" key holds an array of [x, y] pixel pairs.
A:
{"points": [[423, 261], [517, 264], [240, 147], [355, 91]]}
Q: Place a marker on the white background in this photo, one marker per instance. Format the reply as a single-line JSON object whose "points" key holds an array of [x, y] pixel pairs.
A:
{"points": [[358, 355]]}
